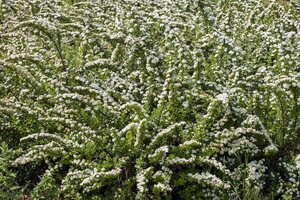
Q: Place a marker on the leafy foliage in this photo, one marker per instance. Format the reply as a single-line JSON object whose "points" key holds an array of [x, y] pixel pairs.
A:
{"points": [[8, 184]]}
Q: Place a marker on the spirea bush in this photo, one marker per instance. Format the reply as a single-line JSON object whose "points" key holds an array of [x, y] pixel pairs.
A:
{"points": [[150, 99]]}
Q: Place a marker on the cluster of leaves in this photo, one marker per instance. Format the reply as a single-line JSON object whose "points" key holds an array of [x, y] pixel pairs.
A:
{"points": [[8, 184], [151, 99]]}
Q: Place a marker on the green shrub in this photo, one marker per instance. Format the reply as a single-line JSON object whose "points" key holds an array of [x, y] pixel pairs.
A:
{"points": [[151, 99]]}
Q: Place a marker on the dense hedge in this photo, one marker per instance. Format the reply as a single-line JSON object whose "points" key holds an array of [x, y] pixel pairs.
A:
{"points": [[149, 99]]}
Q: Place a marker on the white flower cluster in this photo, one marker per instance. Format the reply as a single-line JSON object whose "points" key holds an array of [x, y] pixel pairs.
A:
{"points": [[159, 152], [256, 171], [92, 181], [163, 177], [142, 180], [164, 133], [209, 179], [289, 185]]}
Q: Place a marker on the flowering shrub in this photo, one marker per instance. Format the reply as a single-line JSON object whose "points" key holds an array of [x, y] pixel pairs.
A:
{"points": [[152, 99]]}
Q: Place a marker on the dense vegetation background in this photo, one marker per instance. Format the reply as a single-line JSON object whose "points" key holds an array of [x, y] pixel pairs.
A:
{"points": [[149, 99]]}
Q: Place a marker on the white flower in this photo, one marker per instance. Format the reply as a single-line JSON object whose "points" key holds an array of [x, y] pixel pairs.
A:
{"points": [[185, 104], [222, 97]]}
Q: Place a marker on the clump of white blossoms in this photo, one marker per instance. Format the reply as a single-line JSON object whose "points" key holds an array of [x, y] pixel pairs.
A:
{"points": [[147, 99]]}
